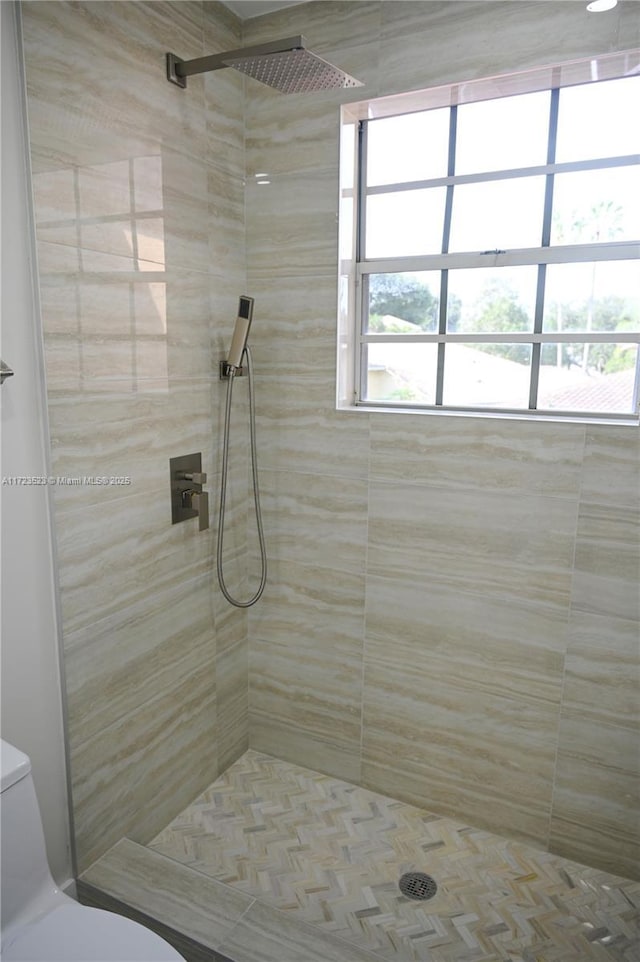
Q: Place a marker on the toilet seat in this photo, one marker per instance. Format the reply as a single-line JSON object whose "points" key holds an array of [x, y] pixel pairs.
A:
{"points": [[74, 933]]}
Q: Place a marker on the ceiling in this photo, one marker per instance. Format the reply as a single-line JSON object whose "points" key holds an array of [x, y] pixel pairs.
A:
{"points": [[245, 9]]}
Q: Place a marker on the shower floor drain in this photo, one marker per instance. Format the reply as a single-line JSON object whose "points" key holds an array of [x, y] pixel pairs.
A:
{"points": [[417, 885]]}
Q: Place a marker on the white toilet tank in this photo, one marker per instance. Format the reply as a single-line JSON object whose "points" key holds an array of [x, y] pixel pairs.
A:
{"points": [[25, 874], [39, 922]]}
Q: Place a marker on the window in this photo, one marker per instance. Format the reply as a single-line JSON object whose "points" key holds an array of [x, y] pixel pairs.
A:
{"points": [[491, 246]]}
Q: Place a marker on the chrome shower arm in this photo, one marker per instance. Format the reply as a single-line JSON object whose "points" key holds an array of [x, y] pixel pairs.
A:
{"points": [[178, 70]]}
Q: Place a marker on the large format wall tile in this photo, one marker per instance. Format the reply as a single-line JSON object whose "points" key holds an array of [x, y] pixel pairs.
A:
{"points": [[110, 434], [310, 520], [298, 430], [468, 40], [289, 334], [97, 83], [467, 594], [514, 457], [121, 553], [232, 702], [140, 223], [597, 786], [461, 702], [149, 646], [607, 562], [301, 238], [306, 666], [486, 541], [326, 26], [595, 805], [612, 453], [132, 777]]}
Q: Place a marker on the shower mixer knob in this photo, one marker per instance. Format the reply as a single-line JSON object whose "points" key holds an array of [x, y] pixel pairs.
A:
{"points": [[197, 477]]}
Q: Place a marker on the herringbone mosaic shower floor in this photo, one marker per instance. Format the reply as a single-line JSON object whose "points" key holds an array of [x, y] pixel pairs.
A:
{"points": [[331, 853]]}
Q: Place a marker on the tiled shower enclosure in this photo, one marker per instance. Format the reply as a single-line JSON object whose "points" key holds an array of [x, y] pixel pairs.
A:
{"points": [[452, 614]]}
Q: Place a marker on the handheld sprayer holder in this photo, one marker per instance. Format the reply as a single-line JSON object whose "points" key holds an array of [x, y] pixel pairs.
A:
{"points": [[225, 371]]}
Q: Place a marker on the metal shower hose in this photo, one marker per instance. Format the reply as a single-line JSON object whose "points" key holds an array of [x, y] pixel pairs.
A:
{"points": [[256, 494]]}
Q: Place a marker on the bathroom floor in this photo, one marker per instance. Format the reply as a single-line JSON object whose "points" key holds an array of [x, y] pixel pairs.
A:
{"points": [[330, 854], [277, 863]]}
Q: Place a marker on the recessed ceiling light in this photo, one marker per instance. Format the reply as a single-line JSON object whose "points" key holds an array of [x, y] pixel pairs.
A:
{"points": [[598, 6]]}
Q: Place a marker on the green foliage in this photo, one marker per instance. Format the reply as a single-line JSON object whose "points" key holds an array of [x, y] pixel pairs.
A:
{"points": [[611, 313], [600, 222], [499, 311], [407, 305], [404, 297]]}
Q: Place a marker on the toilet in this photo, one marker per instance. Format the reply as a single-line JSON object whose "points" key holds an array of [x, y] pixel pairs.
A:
{"points": [[39, 922]]}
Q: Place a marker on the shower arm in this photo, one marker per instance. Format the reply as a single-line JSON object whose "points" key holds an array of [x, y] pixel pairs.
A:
{"points": [[178, 70]]}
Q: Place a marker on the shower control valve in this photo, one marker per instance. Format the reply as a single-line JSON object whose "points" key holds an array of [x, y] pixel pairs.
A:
{"points": [[197, 501], [188, 500]]}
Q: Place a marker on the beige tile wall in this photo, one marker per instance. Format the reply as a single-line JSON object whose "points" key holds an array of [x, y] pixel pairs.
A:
{"points": [[452, 609], [452, 613], [139, 200]]}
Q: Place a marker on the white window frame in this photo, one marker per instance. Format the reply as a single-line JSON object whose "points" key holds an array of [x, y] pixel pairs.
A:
{"points": [[355, 270]]}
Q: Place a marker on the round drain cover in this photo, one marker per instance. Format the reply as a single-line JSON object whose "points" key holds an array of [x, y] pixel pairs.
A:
{"points": [[417, 885]]}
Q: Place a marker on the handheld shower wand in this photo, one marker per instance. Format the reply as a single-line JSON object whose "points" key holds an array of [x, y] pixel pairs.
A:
{"points": [[229, 369], [240, 332]]}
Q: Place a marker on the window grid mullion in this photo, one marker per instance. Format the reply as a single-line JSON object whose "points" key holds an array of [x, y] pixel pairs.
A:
{"points": [[362, 280], [512, 173], [547, 220], [446, 233]]}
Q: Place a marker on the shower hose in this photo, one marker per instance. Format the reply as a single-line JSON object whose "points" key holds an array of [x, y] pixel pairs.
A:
{"points": [[256, 494]]}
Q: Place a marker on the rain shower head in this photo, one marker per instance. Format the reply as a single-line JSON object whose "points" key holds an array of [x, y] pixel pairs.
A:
{"points": [[286, 65]]}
